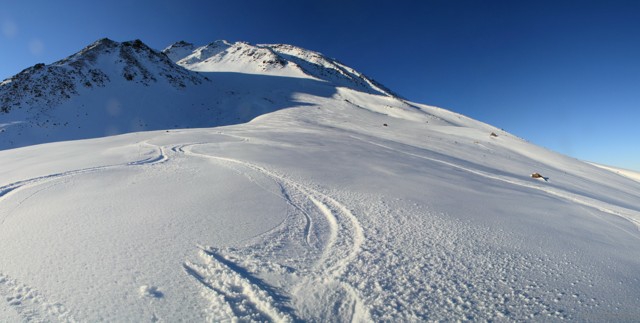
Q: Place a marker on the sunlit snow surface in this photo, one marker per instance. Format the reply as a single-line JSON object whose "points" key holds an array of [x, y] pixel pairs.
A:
{"points": [[338, 201], [318, 212]]}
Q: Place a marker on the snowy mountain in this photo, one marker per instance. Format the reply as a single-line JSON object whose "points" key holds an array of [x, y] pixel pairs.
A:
{"points": [[106, 88], [98, 65], [308, 192], [109, 88], [279, 59]]}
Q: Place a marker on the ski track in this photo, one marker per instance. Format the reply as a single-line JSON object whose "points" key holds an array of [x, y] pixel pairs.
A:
{"points": [[244, 296], [308, 228], [342, 245], [30, 304], [9, 189], [160, 158], [622, 212], [236, 292], [283, 192], [326, 229]]}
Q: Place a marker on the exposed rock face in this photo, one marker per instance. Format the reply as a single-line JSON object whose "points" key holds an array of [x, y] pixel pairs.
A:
{"points": [[96, 65]]}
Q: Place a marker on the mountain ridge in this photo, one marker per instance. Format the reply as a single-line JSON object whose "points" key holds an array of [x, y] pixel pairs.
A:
{"points": [[51, 84], [277, 59], [43, 102]]}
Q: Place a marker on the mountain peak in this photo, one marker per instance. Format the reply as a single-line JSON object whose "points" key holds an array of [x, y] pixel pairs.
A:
{"points": [[178, 50], [181, 43], [102, 62], [104, 41], [100, 45]]}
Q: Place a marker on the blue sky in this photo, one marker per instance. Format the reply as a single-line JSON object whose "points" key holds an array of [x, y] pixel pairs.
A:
{"points": [[561, 74]]}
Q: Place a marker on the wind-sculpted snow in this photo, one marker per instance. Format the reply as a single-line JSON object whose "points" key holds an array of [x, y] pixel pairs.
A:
{"points": [[111, 88]]}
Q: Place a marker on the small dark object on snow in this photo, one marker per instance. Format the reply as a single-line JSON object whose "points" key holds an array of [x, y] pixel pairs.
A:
{"points": [[493, 134], [537, 175], [384, 124]]}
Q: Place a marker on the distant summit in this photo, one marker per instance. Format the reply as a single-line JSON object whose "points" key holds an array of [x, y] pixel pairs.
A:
{"points": [[272, 59]]}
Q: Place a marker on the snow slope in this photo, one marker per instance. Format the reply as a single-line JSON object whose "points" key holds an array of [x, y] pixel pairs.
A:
{"points": [[624, 172], [275, 59], [341, 204]]}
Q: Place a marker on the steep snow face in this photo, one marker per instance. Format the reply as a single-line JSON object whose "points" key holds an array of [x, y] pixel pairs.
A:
{"points": [[238, 57], [204, 52], [317, 65], [280, 59]]}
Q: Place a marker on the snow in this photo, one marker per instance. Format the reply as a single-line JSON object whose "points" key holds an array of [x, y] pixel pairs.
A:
{"points": [[331, 204], [179, 50], [624, 172]]}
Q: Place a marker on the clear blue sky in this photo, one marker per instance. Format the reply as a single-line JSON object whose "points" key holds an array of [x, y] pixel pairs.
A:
{"points": [[561, 74]]}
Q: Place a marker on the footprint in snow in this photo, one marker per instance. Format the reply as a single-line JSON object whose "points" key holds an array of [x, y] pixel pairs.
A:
{"points": [[150, 291]]}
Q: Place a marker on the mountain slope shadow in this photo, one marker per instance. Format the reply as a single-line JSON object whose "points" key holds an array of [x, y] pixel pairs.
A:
{"points": [[122, 106], [247, 96]]}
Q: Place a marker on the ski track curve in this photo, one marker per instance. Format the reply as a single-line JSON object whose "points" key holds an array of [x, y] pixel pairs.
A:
{"points": [[283, 192], [342, 245], [11, 188], [619, 211]]}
